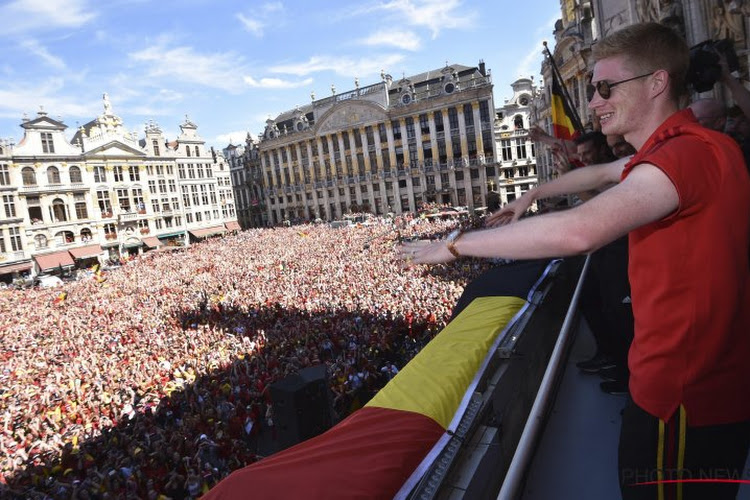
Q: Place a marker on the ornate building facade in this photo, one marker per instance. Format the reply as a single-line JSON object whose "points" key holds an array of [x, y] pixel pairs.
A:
{"points": [[516, 153], [105, 193], [583, 22], [386, 147], [247, 180]]}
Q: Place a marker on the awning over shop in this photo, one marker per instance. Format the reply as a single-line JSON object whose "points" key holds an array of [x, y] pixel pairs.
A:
{"points": [[152, 242], [85, 252], [17, 267], [232, 225], [169, 235], [208, 231], [54, 260], [132, 244]]}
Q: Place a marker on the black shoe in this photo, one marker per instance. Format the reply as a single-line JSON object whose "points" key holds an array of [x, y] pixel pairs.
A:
{"points": [[615, 387], [612, 373], [593, 365]]}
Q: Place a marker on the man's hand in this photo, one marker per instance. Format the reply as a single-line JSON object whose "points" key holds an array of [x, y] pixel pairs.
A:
{"points": [[510, 212], [424, 252]]}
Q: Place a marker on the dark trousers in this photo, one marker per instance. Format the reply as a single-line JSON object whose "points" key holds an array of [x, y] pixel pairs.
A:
{"points": [[606, 286], [672, 460]]}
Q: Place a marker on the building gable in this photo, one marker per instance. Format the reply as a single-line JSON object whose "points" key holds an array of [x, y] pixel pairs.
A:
{"points": [[114, 148], [348, 115]]}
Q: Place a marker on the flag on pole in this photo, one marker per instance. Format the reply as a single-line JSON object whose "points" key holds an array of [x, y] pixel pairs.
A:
{"points": [[563, 126]]}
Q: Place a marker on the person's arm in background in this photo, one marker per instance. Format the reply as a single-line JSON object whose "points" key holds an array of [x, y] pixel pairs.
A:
{"points": [[576, 181], [740, 94]]}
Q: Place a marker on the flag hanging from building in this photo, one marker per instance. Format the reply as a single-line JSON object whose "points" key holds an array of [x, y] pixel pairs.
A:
{"points": [[563, 117]]}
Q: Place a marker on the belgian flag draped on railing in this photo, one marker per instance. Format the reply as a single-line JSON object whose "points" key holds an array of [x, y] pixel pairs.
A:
{"points": [[384, 449], [566, 123]]}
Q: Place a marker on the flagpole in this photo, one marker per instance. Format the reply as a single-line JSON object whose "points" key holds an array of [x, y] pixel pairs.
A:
{"points": [[556, 73]]}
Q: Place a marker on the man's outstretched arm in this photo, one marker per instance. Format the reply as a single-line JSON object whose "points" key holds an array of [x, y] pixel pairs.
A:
{"points": [[646, 195]]}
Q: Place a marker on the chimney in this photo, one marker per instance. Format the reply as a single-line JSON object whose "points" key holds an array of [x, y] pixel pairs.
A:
{"points": [[481, 67]]}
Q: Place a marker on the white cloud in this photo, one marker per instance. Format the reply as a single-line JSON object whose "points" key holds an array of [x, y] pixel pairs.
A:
{"points": [[271, 7], [41, 51], [405, 40], [252, 25], [530, 63], [15, 101], [186, 65], [435, 15], [276, 83], [237, 137], [344, 66], [27, 15]]}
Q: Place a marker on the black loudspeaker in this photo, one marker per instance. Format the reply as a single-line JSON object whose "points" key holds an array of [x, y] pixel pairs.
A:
{"points": [[301, 406]]}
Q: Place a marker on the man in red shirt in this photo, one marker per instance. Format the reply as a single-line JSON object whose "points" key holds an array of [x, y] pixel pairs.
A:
{"points": [[684, 200]]}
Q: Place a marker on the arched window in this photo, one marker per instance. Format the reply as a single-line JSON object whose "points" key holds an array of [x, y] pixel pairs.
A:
{"points": [[86, 234], [75, 175], [518, 121], [59, 211], [40, 241], [197, 153], [53, 175], [29, 176], [64, 237]]}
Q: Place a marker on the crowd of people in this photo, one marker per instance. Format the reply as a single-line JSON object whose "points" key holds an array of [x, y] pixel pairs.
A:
{"points": [[152, 380]]}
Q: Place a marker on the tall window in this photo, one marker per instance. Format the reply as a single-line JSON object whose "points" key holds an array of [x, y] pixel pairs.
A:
{"points": [[209, 173], [35, 209], [123, 199], [181, 170], [453, 119], [10, 206], [506, 149], [197, 153], [187, 148], [468, 115], [155, 145], [82, 212], [53, 175], [28, 176], [117, 173], [59, 214], [152, 187], [134, 173], [100, 175], [15, 239], [194, 193], [47, 145], [521, 148], [75, 175], [172, 185], [185, 196], [162, 186], [138, 199], [201, 172], [4, 175], [204, 194], [191, 171], [105, 205]]}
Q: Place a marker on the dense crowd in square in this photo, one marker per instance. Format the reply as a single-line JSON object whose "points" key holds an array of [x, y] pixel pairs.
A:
{"points": [[154, 382]]}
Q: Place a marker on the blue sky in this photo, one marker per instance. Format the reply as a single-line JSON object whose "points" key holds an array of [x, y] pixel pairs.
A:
{"points": [[229, 65]]}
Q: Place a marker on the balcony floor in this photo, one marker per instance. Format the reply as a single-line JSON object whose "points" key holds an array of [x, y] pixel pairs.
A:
{"points": [[577, 455]]}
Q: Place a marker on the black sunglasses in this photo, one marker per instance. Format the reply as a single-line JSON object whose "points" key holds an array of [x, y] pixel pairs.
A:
{"points": [[605, 88]]}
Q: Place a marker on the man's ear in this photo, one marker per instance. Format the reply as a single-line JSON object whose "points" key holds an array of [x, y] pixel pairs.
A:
{"points": [[659, 82]]}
